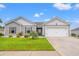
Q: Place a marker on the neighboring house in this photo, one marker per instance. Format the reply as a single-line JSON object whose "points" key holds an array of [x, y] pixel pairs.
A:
{"points": [[54, 27], [75, 31]]}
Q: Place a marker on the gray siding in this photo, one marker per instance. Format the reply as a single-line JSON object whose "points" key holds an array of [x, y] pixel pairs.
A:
{"points": [[75, 32]]}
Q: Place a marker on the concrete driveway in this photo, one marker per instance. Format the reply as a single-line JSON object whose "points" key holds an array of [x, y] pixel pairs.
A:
{"points": [[66, 46]]}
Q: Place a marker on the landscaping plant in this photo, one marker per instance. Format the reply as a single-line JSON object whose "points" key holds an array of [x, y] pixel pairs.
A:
{"points": [[20, 34], [26, 35], [34, 34], [1, 34], [74, 35], [10, 36]]}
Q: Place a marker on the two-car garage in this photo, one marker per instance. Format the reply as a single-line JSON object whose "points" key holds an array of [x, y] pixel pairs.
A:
{"points": [[57, 28]]}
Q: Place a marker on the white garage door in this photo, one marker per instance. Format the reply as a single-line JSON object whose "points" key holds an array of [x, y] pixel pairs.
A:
{"points": [[56, 32]]}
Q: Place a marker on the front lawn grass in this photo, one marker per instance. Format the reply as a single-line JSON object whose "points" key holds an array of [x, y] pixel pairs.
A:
{"points": [[27, 44]]}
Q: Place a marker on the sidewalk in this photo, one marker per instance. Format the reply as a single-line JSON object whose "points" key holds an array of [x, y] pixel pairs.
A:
{"points": [[28, 53]]}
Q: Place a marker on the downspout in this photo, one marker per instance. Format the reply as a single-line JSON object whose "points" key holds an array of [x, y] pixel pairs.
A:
{"points": [[44, 30]]}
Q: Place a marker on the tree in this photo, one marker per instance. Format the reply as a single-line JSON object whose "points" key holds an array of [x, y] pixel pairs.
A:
{"points": [[0, 21]]}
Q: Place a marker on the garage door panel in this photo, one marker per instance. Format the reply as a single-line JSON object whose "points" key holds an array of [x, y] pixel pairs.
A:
{"points": [[56, 32]]}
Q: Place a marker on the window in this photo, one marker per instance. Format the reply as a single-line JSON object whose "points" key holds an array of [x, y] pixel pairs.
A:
{"points": [[28, 29], [12, 30]]}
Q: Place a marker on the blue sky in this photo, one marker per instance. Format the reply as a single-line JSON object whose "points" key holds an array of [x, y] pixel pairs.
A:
{"points": [[41, 12]]}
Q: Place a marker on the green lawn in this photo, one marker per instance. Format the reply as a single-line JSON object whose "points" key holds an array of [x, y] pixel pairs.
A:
{"points": [[39, 44]]}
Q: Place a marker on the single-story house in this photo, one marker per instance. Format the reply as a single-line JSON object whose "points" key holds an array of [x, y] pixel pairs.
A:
{"points": [[56, 27]]}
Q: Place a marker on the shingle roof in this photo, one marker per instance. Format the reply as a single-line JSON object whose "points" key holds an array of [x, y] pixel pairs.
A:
{"points": [[14, 20], [58, 18], [38, 23]]}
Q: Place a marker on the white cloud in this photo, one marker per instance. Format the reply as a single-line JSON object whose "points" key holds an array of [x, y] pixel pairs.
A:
{"points": [[38, 14], [73, 21], [7, 18], [41, 13], [67, 20], [76, 6], [62, 6], [47, 19], [2, 6]]}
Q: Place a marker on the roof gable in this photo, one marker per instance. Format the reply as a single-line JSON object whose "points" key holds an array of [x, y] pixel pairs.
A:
{"points": [[56, 21], [12, 24], [21, 21]]}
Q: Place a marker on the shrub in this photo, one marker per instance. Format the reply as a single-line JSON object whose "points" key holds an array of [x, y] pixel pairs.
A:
{"points": [[10, 36], [1, 34], [78, 36], [74, 35], [27, 35], [19, 34], [34, 34]]}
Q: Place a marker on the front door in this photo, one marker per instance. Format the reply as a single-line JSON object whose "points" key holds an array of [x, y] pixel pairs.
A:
{"points": [[39, 31]]}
